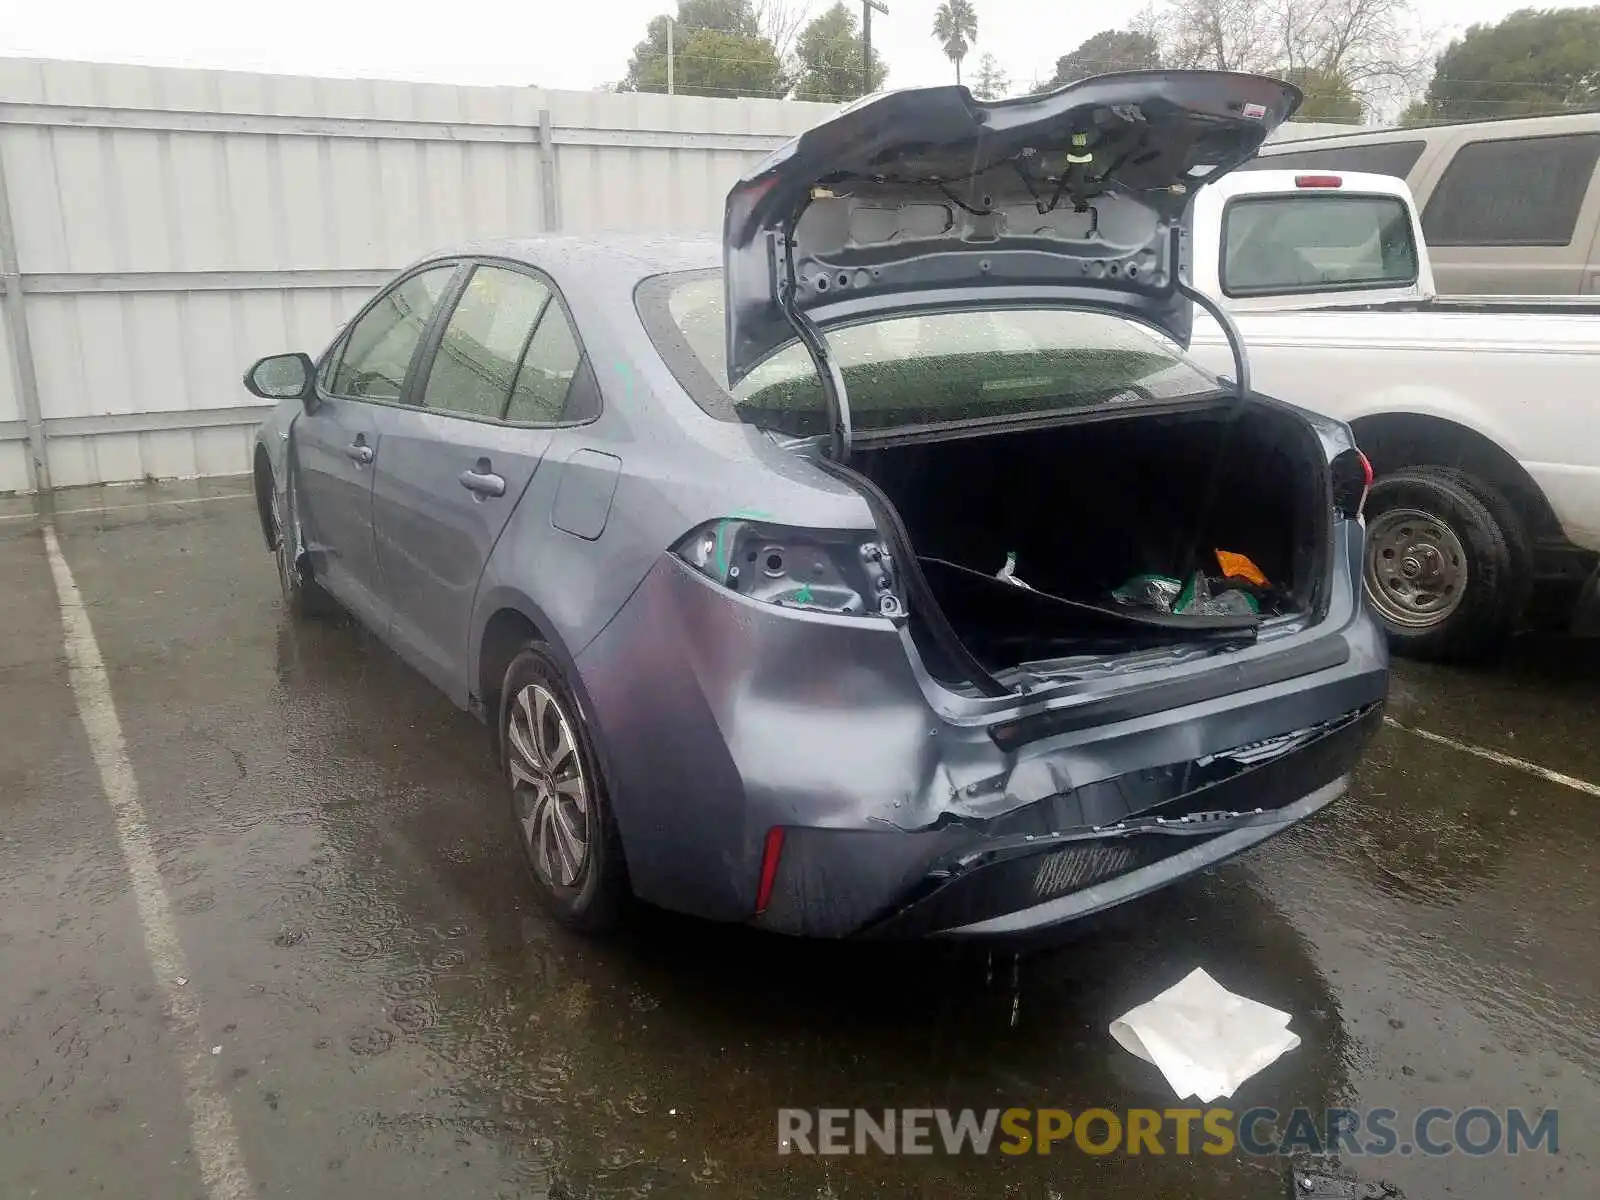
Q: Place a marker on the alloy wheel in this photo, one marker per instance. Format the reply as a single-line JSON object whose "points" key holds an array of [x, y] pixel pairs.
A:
{"points": [[549, 791]]}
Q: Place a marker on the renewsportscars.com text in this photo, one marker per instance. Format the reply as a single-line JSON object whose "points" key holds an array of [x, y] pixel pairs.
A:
{"points": [[1179, 1131]]}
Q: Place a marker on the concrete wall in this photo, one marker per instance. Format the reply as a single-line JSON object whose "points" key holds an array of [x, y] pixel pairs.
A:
{"points": [[160, 229]]}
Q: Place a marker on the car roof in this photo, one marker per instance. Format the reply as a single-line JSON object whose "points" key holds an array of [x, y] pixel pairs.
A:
{"points": [[607, 259]]}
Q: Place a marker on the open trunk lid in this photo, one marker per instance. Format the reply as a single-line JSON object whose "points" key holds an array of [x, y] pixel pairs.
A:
{"points": [[929, 200]]}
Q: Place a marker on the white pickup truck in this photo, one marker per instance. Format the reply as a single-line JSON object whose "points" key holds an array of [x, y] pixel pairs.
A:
{"points": [[1481, 418]]}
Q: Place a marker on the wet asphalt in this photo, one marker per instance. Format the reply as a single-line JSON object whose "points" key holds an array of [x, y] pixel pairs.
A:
{"points": [[394, 1017]]}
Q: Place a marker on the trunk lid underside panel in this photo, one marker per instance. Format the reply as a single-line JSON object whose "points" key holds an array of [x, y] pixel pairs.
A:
{"points": [[929, 199]]}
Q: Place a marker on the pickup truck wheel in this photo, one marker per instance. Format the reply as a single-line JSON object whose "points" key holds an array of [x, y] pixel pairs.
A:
{"points": [[1441, 571]]}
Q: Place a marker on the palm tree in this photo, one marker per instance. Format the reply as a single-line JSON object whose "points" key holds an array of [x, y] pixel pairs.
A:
{"points": [[955, 27]]}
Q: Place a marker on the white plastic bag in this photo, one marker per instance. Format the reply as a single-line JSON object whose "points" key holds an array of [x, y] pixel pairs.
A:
{"points": [[1205, 1039]]}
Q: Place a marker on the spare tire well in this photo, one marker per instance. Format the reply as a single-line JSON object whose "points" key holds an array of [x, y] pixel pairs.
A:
{"points": [[1395, 441]]}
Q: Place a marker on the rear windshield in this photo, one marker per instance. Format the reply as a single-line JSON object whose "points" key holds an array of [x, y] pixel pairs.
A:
{"points": [[918, 370], [1316, 242]]}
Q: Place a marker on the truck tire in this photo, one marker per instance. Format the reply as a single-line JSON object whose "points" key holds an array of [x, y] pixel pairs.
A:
{"points": [[1447, 566], [1512, 526]]}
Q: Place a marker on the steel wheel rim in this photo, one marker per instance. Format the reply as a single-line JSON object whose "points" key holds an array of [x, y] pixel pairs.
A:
{"points": [[1416, 568], [549, 790]]}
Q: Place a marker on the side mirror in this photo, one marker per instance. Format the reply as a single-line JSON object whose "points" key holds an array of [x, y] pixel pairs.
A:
{"points": [[282, 377]]}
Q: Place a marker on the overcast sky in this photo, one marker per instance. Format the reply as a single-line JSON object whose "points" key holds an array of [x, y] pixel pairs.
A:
{"points": [[571, 44]]}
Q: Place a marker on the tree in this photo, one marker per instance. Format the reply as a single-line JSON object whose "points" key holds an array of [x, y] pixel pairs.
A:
{"points": [[1534, 61], [828, 57], [955, 28], [1368, 51], [992, 82], [780, 21], [718, 50], [1107, 51], [1327, 97]]}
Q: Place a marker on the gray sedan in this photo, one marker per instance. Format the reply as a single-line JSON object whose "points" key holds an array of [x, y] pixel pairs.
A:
{"points": [[885, 569]]}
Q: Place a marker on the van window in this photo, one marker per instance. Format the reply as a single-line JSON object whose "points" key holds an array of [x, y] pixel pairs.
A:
{"points": [[1316, 242], [1512, 192], [1378, 158]]}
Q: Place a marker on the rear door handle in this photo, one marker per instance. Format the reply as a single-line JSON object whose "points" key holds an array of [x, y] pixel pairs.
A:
{"points": [[482, 482], [360, 453]]}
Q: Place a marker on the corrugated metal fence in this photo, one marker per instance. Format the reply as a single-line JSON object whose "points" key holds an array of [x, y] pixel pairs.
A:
{"points": [[160, 229]]}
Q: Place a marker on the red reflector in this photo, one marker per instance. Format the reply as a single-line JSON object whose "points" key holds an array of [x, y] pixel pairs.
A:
{"points": [[769, 867], [1318, 181]]}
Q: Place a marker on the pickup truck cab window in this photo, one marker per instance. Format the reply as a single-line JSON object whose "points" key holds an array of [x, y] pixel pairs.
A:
{"points": [[1316, 241]]}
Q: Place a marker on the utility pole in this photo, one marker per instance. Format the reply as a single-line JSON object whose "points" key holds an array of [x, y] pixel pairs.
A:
{"points": [[866, 41], [670, 23]]}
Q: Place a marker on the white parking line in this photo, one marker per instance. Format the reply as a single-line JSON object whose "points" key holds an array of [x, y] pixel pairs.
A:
{"points": [[216, 1145], [69, 512], [1505, 760]]}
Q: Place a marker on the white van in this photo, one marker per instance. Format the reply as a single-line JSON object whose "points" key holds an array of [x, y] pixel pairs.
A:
{"points": [[1509, 207]]}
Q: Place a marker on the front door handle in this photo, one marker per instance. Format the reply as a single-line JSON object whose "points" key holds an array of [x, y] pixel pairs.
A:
{"points": [[360, 453], [482, 482]]}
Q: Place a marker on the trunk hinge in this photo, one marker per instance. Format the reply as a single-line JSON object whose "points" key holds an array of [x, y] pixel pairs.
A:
{"points": [[833, 390], [1230, 330]]}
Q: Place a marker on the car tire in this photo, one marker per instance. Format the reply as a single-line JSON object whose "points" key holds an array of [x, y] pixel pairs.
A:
{"points": [[1447, 564], [548, 760], [303, 596]]}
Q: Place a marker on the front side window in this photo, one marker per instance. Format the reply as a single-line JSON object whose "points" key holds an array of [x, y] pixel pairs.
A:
{"points": [[1512, 192], [1315, 242], [378, 351], [476, 363], [919, 369]]}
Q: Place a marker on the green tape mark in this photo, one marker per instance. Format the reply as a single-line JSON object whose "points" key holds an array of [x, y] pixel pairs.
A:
{"points": [[722, 549], [803, 596]]}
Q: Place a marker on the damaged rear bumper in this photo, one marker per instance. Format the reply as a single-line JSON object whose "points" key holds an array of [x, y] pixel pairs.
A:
{"points": [[907, 811], [1025, 884]]}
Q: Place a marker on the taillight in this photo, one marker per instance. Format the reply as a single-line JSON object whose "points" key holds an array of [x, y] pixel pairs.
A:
{"points": [[1352, 479], [823, 570], [1318, 181]]}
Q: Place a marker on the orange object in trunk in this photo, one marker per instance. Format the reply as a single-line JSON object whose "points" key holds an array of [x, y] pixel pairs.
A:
{"points": [[1237, 566]]}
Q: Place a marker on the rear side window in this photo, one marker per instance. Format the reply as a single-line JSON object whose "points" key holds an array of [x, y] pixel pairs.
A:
{"points": [[920, 369], [1377, 158], [477, 359], [1315, 242], [1512, 192], [378, 351], [551, 360]]}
